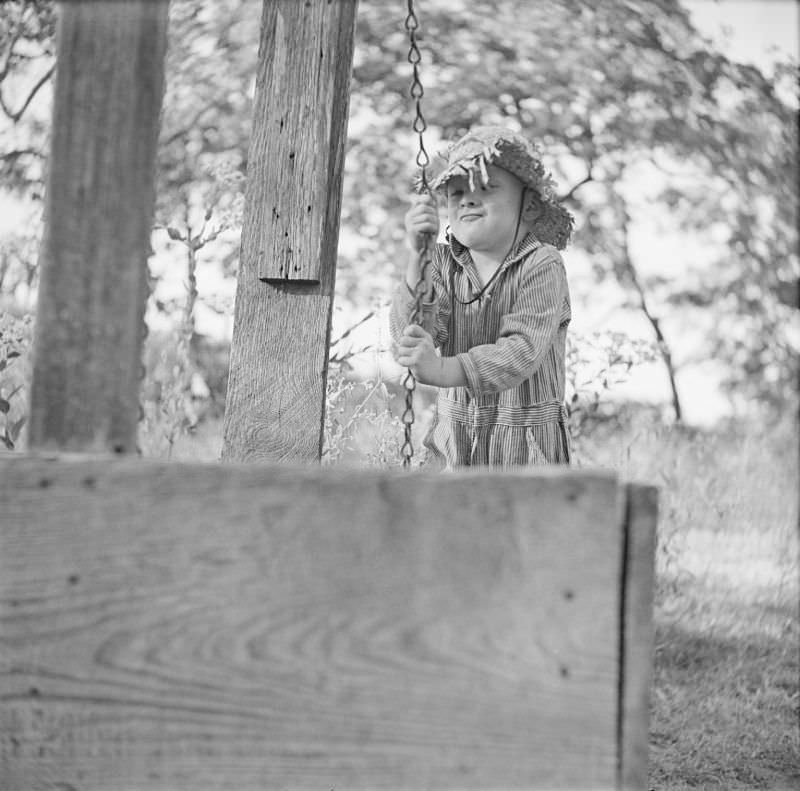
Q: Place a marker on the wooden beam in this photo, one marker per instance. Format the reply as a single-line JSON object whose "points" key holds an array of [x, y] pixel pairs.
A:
{"points": [[287, 270], [172, 626], [641, 515], [98, 215]]}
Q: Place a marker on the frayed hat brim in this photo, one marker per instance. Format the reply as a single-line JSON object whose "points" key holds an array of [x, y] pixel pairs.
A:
{"points": [[482, 146]]}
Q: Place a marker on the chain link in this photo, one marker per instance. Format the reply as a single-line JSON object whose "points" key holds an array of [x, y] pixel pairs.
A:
{"points": [[419, 126]]}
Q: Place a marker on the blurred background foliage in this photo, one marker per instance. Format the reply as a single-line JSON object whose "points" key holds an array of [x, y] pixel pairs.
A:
{"points": [[643, 123]]}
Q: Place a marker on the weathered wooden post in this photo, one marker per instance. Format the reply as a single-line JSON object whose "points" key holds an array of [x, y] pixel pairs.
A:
{"points": [[98, 214], [287, 269]]}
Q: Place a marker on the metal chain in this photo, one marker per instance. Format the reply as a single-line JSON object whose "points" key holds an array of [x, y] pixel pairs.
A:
{"points": [[423, 161]]}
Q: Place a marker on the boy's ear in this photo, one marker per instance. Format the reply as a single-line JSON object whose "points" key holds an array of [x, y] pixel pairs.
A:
{"points": [[531, 205]]}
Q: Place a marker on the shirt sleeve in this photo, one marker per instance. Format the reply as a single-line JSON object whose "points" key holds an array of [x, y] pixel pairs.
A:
{"points": [[526, 333], [435, 314]]}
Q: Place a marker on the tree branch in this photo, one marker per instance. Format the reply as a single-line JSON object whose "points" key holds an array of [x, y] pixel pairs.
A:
{"points": [[585, 180], [15, 116], [21, 152], [188, 127], [14, 39], [349, 330], [633, 276]]}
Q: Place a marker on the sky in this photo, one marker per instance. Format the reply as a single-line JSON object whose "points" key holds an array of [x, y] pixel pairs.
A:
{"points": [[750, 31]]}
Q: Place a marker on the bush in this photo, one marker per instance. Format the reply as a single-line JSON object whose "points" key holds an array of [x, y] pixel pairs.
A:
{"points": [[15, 344]]}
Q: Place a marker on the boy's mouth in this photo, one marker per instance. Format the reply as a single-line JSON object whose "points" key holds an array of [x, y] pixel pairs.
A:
{"points": [[470, 216]]}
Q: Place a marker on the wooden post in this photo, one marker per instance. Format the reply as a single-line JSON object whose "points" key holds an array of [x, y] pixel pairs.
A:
{"points": [[279, 355], [98, 214]]}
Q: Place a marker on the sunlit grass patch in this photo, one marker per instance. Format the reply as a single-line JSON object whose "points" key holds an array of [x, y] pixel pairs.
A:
{"points": [[724, 710], [725, 700]]}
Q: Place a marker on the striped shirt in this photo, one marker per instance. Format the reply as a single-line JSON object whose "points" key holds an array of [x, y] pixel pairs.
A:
{"points": [[511, 345]]}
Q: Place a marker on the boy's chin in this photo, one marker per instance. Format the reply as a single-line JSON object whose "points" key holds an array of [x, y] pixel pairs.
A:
{"points": [[468, 237], [475, 241]]}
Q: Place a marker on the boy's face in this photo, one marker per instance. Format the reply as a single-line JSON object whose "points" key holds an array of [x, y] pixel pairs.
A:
{"points": [[485, 219]]}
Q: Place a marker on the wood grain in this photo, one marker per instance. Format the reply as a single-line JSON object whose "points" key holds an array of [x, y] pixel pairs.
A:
{"points": [[255, 627], [281, 333], [297, 151], [98, 215], [277, 376], [641, 516]]}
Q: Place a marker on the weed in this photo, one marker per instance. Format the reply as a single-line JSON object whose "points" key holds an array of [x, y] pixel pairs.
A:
{"points": [[15, 342], [360, 426]]}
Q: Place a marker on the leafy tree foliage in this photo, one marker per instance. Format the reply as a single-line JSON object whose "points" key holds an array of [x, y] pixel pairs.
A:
{"points": [[208, 105], [612, 88], [618, 92], [26, 66]]}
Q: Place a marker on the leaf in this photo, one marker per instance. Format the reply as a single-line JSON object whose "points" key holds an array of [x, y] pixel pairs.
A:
{"points": [[16, 427]]}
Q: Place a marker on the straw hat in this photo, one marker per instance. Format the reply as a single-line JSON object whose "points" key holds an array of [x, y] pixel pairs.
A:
{"points": [[496, 145]]}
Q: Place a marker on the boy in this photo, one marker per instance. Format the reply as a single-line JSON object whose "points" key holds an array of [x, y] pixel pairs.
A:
{"points": [[497, 308]]}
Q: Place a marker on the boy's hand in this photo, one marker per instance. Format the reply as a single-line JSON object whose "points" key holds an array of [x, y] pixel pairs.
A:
{"points": [[415, 350], [422, 218]]}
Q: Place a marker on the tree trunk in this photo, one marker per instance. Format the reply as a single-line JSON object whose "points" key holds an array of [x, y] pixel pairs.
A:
{"points": [[279, 354], [98, 215], [661, 341]]}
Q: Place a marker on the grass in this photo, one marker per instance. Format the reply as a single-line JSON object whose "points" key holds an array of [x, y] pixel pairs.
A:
{"points": [[725, 700], [724, 711]]}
